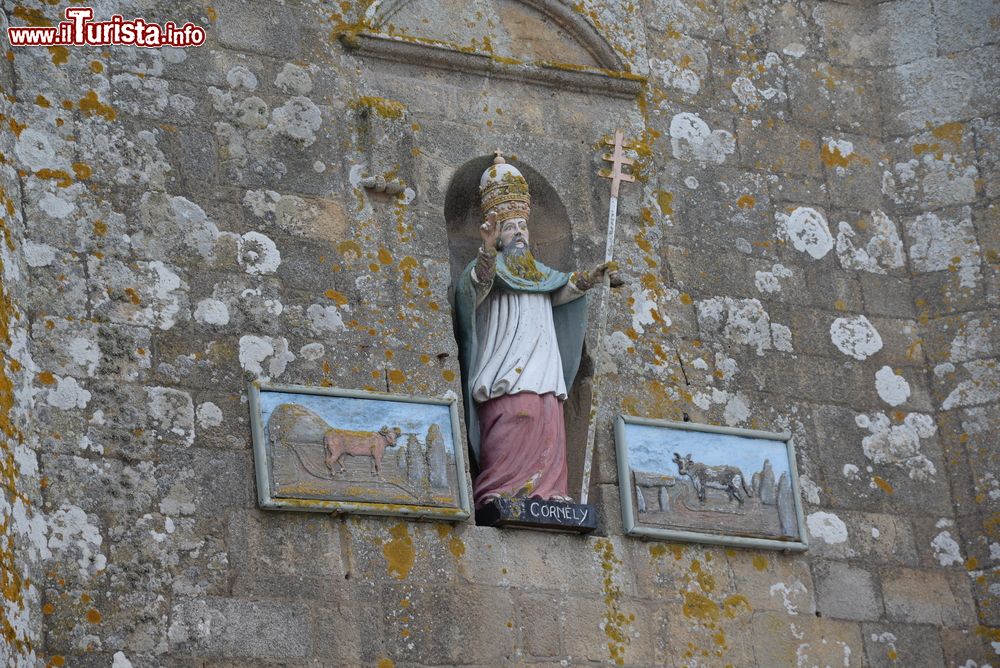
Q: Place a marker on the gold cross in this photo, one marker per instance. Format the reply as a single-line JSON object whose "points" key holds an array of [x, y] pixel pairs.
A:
{"points": [[617, 159]]}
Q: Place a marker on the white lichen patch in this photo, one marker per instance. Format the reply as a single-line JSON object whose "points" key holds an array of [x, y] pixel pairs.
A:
{"points": [[172, 413], [644, 307], [258, 254], [692, 139], [255, 350], [312, 351], [73, 536], [975, 338], [38, 255], [209, 415], [325, 319], [672, 75], [240, 76], [891, 387], [982, 386], [807, 230], [768, 282], [945, 244], [740, 321], [294, 79], [85, 353], [898, 444], [946, 549], [855, 336], [67, 394], [883, 251], [781, 336], [211, 312], [826, 527], [39, 150], [299, 119], [792, 593]]}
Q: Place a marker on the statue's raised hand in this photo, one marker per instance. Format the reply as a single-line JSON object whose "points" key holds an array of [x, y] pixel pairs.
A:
{"points": [[490, 231]]}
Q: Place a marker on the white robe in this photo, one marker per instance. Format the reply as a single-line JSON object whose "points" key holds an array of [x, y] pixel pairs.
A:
{"points": [[518, 351]]}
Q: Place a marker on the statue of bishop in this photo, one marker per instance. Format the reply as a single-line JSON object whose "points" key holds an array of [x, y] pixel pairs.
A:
{"points": [[520, 330]]}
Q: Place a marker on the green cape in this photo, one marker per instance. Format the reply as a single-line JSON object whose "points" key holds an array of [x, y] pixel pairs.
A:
{"points": [[569, 318]]}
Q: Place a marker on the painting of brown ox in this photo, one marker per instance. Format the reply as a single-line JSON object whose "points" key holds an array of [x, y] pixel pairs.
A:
{"points": [[340, 442]]}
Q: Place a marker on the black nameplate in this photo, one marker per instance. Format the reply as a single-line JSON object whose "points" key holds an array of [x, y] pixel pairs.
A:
{"points": [[538, 514]]}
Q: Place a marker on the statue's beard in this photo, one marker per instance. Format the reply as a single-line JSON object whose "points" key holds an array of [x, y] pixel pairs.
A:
{"points": [[520, 261]]}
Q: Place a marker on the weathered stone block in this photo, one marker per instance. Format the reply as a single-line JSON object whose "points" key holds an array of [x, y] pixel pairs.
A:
{"points": [[230, 628], [887, 296], [828, 96], [808, 639], [897, 644], [774, 581], [846, 592], [928, 597], [779, 147], [940, 90], [889, 33]]}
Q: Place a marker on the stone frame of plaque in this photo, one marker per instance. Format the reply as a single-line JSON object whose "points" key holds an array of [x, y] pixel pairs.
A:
{"points": [[699, 483], [335, 450]]}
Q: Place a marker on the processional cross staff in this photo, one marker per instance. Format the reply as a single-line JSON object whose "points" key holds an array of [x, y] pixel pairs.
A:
{"points": [[618, 160]]}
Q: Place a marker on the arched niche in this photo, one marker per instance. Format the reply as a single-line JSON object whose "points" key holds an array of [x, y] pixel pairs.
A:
{"points": [[549, 42], [549, 226]]}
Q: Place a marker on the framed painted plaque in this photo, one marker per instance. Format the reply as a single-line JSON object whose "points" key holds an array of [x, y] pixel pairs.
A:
{"points": [[348, 451], [700, 483]]}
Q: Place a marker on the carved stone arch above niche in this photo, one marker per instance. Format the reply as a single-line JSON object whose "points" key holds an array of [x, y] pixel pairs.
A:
{"points": [[547, 42]]}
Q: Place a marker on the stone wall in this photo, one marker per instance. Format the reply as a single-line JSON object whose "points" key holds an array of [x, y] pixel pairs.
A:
{"points": [[813, 246]]}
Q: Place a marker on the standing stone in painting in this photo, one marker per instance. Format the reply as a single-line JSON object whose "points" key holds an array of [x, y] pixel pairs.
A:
{"points": [[521, 326], [437, 458]]}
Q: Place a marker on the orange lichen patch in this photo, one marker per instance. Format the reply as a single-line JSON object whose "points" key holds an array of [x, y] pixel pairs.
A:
{"points": [[746, 202], [399, 552], [48, 609], [456, 546], [386, 663], [96, 66], [971, 564], [883, 484], [43, 102], [678, 551], [705, 580], [133, 296], [57, 660], [949, 132], [448, 375], [807, 145], [384, 256], [396, 376], [93, 616], [345, 247], [46, 378], [731, 605], [100, 228], [840, 305], [834, 158], [90, 106], [686, 299], [62, 179], [380, 105], [920, 149], [616, 622], [31, 16], [665, 201], [759, 562], [82, 170], [700, 607], [212, 15], [336, 297], [657, 551]]}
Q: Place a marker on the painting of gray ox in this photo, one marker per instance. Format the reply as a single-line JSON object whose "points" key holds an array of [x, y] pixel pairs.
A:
{"points": [[340, 442], [728, 478]]}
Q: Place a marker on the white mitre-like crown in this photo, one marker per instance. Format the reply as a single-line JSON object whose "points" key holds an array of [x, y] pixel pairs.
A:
{"points": [[504, 190]]}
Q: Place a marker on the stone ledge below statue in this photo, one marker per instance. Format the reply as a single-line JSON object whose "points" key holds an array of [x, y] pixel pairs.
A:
{"points": [[538, 514]]}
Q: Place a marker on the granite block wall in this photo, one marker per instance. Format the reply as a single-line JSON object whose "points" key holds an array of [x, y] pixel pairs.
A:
{"points": [[813, 245]]}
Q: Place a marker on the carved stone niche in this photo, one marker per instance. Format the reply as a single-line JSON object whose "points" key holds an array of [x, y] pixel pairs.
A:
{"points": [[546, 42], [384, 128]]}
